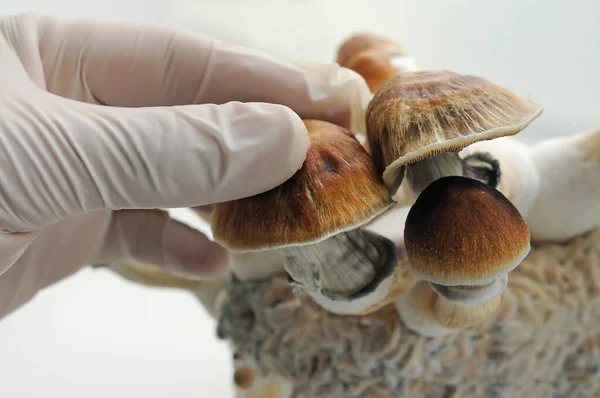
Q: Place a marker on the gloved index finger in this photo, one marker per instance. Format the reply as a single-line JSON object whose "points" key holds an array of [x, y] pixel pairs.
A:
{"points": [[133, 64]]}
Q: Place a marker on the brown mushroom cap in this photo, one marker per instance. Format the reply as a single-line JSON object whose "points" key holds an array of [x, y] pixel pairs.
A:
{"points": [[463, 232], [244, 377], [416, 115], [337, 189], [374, 66], [360, 42]]}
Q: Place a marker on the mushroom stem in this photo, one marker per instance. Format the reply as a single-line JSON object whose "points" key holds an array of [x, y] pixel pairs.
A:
{"points": [[454, 316], [428, 313], [347, 272], [256, 265], [481, 166], [426, 171]]}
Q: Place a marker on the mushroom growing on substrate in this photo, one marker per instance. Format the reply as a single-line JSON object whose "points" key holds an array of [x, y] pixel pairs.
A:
{"points": [[568, 201], [463, 237], [375, 58], [418, 122], [314, 218]]}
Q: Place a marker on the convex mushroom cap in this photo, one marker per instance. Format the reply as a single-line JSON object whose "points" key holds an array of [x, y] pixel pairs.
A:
{"points": [[374, 65], [362, 41], [461, 232], [375, 58], [416, 116], [337, 189]]}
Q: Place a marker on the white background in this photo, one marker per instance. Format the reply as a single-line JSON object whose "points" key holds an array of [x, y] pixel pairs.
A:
{"points": [[97, 336]]}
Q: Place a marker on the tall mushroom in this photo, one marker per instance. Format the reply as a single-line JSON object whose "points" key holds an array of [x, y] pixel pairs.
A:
{"points": [[375, 58], [418, 122], [314, 218], [464, 237]]}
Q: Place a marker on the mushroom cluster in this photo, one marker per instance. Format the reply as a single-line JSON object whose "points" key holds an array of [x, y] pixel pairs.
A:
{"points": [[380, 248], [462, 236]]}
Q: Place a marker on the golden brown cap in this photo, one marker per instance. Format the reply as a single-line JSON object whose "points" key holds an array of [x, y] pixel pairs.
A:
{"points": [[374, 66], [337, 189], [244, 377], [360, 42], [463, 232], [416, 115]]}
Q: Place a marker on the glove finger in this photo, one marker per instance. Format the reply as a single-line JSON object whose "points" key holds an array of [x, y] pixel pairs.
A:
{"points": [[152, 237], [136, 65], [68, 158]]}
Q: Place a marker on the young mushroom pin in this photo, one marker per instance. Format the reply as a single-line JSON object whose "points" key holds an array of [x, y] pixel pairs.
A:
{"points": [[418, 122], [314, 218], [463, 237], [375, 58]]}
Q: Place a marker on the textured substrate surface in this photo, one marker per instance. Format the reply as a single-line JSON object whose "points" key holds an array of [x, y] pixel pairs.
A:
{"points": [[542, 343]]}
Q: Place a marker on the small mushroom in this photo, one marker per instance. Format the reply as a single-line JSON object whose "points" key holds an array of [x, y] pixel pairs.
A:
{"points": [[375, 58], [519, 180], [464, 237], [314, 218], [418, 122], [244, 377], [568, 202], [374, 65]]}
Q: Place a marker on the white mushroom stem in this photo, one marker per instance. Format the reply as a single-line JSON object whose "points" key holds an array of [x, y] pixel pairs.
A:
{"points": [[422, 173], [519, 180], [427, 313], [568, 202], [346, 273], [256, 265]]}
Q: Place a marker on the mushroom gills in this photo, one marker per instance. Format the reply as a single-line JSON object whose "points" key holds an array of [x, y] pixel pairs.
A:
{"points": [[480, 166], [345, 267], [468, 296]]}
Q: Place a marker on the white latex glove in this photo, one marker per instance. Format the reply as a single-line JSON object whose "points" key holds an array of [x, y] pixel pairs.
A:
{"points": [[97, 133]]}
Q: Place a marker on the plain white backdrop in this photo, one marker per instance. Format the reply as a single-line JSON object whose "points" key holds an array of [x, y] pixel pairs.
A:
{"points": [[95, 335]]}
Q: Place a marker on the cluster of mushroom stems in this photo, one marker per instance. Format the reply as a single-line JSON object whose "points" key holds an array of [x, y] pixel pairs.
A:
{"points": [[468, 198]]}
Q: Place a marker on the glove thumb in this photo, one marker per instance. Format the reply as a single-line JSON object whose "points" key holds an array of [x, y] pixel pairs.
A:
{"points": [[153, 237]]}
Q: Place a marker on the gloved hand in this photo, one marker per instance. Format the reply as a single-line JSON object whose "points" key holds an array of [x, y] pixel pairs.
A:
{"points": [[98, 131]]}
